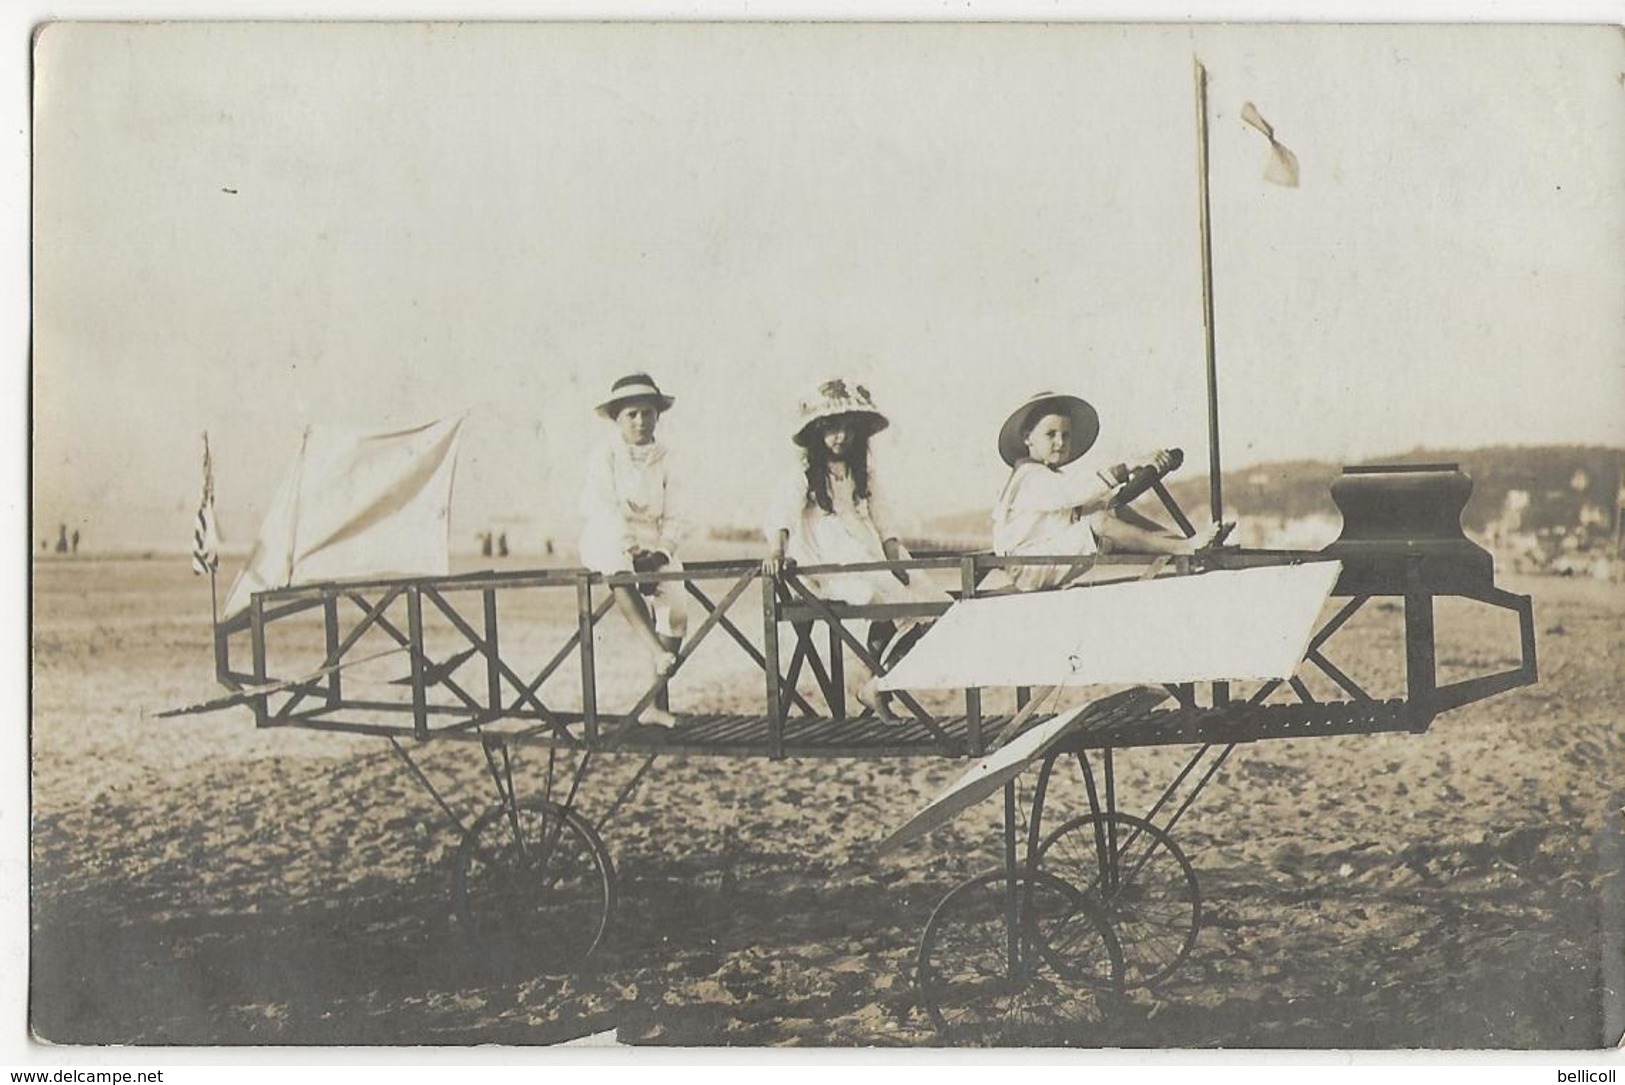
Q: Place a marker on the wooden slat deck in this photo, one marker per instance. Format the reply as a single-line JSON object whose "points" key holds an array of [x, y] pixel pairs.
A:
{"points": [[749, 736], [1241, 722], [729, 735]]}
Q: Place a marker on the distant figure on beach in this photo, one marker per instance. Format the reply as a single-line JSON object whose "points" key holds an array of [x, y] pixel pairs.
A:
{"points": [[73, 541], [631, 502], [502, 545], [62, 538], [485, 544]]}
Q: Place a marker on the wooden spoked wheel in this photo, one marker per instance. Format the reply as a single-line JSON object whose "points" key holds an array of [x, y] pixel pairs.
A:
{"points": [[981, 986], [535, 888], [1142, 883]]}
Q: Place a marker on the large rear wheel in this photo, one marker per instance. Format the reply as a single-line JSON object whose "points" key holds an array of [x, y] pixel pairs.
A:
{"points": [[535, 888]]}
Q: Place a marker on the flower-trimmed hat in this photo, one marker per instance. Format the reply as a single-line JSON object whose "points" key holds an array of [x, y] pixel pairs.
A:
{"points": [[1013, 434], [635, 386], [834, 399]]}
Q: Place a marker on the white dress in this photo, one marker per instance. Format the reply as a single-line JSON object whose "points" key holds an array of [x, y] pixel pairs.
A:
{"points": [[1040, 512], [854, 532]]}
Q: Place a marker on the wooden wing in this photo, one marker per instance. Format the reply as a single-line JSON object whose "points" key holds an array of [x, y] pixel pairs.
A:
{"points": [[1214, 626]]}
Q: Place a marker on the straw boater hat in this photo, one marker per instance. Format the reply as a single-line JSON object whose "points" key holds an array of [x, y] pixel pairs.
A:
{"points": [[835, 399], [1085, 425], [634, 386]]}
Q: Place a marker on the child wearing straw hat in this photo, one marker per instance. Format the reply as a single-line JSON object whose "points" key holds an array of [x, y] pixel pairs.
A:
{"points": [[831, 511], [634, 522], [1051, 504]]}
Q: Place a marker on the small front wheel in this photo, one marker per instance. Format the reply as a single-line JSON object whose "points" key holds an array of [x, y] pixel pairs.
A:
{"points": [[1143, 884], [535, 887]]}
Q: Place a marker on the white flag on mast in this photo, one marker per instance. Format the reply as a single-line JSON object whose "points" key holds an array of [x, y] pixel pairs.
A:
{"points": [[1283, 165]]}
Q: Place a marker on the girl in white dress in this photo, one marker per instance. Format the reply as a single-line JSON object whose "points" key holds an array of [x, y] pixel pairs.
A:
{"points": [[831, 511]]}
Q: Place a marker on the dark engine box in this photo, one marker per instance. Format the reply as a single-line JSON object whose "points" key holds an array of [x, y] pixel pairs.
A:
{"points": [[1402, 532]]}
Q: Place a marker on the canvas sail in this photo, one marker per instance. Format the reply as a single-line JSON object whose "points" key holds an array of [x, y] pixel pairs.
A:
{"points": [[357, 504]]}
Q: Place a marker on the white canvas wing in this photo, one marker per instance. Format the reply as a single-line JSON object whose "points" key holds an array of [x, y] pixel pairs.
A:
{"points": [[1010, 760], [355, 505], [1209, 627]]}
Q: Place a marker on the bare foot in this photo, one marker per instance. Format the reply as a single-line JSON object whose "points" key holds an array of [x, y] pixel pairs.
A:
{"points": [[870, 697], [1211, 536], [665, 662], [657, 717]]}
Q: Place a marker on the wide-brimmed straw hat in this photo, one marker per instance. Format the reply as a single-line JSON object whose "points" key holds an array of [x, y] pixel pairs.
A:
{"points": [[1085, 425], [635, 386], [838, 398]]}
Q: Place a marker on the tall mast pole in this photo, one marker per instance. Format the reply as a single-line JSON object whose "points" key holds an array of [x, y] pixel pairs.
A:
{"points": [[1215, 490]]}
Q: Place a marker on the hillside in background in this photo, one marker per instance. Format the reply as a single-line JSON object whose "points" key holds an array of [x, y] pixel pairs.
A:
{"points": [[1566, 487]]}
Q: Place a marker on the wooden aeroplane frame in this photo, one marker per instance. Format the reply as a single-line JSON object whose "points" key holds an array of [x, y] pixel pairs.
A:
{"points": [[527, 718], [504, 709]]}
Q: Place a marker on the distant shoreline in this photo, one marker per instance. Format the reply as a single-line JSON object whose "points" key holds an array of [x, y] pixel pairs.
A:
{"points": [[112, 555]]}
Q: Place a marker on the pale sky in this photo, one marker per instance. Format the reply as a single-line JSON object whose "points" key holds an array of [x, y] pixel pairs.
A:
{"points": [[503, 218]]}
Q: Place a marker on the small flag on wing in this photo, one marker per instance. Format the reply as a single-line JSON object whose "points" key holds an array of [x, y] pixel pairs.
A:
{"points": [[205, 538], [1283, 167]]}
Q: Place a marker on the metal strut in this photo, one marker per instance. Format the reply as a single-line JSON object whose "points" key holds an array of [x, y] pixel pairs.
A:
{"points": [[625, 793], [451, 815], [575, 782], [503, 779], [1107, 845], [1012, 903], [1200, 784]]}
